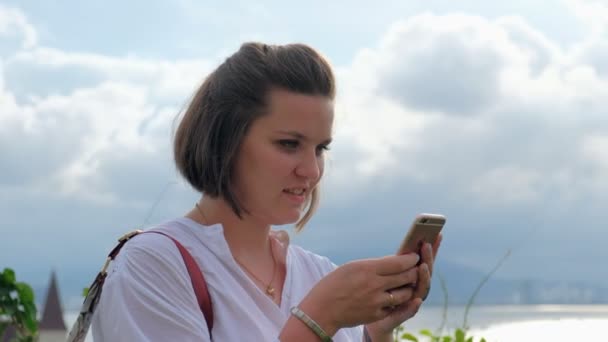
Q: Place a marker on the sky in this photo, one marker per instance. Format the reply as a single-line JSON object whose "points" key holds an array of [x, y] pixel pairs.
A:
{"points": [[493, 114]]}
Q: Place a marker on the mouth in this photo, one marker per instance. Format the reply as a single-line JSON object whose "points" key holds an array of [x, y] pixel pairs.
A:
{"points": [[296, 195], [295, 191]]}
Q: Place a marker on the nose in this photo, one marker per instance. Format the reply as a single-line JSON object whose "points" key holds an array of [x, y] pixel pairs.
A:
{"points": [[310, 166]]}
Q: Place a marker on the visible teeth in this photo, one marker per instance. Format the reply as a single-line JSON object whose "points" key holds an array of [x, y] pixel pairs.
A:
{"points": [[295, 191]]}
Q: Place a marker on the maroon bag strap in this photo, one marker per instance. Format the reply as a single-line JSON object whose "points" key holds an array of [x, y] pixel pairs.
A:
{"points": [[198, 280], [81, 326]]}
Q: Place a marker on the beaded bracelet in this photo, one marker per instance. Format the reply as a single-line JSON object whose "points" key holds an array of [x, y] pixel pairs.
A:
{"points": [[314, 326]]}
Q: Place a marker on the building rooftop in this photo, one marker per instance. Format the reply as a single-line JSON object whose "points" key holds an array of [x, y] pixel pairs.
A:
{"points": [[52, 316]]}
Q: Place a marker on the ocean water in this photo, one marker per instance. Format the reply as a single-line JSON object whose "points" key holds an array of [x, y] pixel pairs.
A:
{"points": [[517, 323]]}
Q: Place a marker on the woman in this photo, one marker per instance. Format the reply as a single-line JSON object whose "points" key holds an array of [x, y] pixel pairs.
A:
{"points": [[252, 142]]}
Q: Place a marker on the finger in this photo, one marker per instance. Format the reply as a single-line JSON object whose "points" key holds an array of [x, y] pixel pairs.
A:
{"points": [[399, 296], [407, 310], [390, 301], [424, 282], [403, 279], [427, 256], [395, 264]]}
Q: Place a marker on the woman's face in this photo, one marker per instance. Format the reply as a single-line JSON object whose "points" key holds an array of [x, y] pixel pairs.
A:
{"points": [[281, 158]]}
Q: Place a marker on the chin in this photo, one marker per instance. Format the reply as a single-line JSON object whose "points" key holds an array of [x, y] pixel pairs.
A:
{"points": [[287, 218]]}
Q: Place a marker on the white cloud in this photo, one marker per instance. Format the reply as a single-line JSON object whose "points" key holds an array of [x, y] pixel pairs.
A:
{"points": [[594, 166], [526, 103], [508, 185], [167, 80], [394, 96], [14, 25], [449, 64], [73, 137], [126, 113], [69, 120], [595, 149], [593, 13]]}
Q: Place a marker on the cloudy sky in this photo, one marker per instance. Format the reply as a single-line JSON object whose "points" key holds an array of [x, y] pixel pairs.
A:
{"points": [[491, 113]]}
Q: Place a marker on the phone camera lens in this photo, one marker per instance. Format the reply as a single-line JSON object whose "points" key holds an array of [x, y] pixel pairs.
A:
{"points": [[423, 220]]}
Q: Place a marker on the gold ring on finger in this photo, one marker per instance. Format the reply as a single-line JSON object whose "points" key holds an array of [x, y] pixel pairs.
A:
{"points": [[392, 301]]}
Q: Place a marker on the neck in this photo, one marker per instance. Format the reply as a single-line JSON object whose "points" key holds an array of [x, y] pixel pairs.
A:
{"points": [[247, 237]]}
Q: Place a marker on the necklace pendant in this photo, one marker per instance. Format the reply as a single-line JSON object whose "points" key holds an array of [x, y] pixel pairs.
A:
{"points": [[270, 291]]}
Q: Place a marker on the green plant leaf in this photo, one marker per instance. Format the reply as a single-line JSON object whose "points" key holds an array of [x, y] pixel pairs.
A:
{"points": [[426, 332], [25, 292], [9, 310], [460, 335], [31, 324], [483, 340], [447, 339], [470, 339], [17, 306], [409, 337], [85, 292], [30, 308], [8, 276]]}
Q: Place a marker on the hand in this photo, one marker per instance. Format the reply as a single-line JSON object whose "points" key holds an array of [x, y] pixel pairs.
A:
{"points": [[380, 329], [356, 293]]}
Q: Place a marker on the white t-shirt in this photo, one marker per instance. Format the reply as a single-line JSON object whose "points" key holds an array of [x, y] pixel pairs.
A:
{"points": [[148, 294]]}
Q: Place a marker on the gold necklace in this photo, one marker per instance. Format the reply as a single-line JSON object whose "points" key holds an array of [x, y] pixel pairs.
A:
{"points": [[270, 291]]}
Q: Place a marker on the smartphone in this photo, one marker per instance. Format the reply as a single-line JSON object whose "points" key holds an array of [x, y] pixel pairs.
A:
{"points": [[425, 228]]}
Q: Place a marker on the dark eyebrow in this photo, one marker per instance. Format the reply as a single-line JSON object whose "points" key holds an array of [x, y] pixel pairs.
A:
{"points": [[301, 136]]}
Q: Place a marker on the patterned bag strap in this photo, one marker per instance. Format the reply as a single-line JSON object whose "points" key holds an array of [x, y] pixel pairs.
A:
{"points": [[80, 328]]}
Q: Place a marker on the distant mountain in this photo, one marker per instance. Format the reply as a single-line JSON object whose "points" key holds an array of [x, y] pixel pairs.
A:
{"points": [[462, 281]]}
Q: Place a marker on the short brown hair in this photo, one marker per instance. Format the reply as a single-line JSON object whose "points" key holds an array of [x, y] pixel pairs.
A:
{"points": [[235, 94]]}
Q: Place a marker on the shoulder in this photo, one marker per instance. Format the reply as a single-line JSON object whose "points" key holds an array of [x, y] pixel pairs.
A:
{"points": [[148, 294], [152, 251], [148, 271]]}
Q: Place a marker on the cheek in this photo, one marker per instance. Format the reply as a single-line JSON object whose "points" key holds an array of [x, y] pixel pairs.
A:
{"points": [[321, 166], [274, 164]]}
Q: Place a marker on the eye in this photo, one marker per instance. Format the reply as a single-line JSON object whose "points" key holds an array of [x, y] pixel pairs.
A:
{"points": [[289, 144], [321, 149]]}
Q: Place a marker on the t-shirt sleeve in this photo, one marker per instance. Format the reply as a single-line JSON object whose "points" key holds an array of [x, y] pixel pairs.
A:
{"points": [[148, 296]]}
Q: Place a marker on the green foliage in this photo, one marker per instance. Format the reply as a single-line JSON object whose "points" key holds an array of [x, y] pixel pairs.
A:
{"points": [[460, 334], [17, 307]]}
